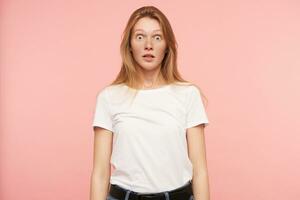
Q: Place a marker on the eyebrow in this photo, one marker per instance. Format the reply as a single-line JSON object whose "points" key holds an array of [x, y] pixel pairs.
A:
{"points": [[144, 31]]}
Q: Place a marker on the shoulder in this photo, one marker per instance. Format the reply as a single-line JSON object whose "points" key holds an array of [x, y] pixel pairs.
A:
{"points": [[115, 94], [109, 89], [191, 91], [187, 87]]}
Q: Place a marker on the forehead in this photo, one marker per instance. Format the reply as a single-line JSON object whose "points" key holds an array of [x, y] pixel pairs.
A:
{"points": [[147, 24]]}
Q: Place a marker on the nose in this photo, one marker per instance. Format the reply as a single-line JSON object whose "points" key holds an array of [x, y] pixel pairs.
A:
{"points": [[148, 44]]}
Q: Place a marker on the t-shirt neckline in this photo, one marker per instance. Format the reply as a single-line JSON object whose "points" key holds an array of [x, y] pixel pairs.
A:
{"points": [[161, 88]]}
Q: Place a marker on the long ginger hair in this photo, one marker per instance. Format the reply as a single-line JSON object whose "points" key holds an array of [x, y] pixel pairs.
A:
{"points": [[169, 71]]}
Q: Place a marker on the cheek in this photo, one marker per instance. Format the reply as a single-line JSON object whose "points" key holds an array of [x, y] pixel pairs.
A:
{"points": [[162, 51], [162, 48], [135, 47]]}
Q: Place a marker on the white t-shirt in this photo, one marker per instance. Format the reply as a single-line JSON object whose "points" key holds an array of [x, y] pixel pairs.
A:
{"points": [[149, 134]]}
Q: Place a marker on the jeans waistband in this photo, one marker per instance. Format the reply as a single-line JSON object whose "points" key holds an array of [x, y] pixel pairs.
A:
{"points": [[180, 193]]}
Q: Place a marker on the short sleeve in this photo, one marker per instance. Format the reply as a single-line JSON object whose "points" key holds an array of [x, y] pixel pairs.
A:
{"points": [[102, 115], [196, 113]]}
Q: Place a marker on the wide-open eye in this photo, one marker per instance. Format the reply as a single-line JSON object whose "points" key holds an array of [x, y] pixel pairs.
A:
{"points": [[139, 36], [158, 37]]}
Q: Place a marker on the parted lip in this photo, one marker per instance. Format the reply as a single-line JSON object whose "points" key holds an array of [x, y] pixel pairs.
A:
{"points": [[149, 54]]}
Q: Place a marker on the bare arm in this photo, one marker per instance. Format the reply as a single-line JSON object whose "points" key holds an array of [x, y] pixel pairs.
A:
{"points": [[99, 183], [197, 155]]}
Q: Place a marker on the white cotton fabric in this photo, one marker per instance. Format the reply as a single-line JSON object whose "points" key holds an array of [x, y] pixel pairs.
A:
{"points": [[149, 134]]}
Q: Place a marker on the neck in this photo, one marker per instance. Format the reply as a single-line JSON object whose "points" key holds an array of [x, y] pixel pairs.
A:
{"points": [[151, 79]]}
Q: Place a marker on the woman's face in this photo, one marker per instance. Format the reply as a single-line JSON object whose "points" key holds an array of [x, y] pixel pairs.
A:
{"points": [[147, 38]]}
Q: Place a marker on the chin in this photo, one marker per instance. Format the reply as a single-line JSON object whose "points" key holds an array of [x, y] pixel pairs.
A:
{"points": [[148, 66]]}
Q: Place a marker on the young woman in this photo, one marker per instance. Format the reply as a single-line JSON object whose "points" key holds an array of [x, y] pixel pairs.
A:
{"points": [[149, 122]]}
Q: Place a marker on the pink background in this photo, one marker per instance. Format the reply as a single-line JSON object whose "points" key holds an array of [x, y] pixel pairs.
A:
{"points": [[56, 55]]}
